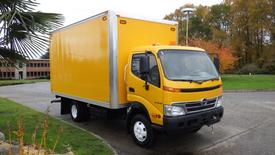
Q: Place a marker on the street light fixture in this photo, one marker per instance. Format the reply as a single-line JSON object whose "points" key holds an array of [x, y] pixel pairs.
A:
{"points": [[187, 11]]}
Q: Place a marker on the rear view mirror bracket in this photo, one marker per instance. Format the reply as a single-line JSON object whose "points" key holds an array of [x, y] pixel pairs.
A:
{"points": [[144, 65]]}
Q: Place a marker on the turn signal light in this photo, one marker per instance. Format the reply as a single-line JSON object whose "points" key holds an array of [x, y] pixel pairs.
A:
{"points": [[123, 22], [156, 44], [173, 29], [104, 18], [156, 115], [170, 89], [173, 43]]}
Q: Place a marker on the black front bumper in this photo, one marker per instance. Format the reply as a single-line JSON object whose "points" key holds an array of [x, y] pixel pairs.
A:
{"points": [[192, 121]]}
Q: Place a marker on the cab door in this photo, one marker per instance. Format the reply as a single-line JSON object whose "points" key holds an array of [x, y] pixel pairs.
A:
{"points": [[147, 93]]}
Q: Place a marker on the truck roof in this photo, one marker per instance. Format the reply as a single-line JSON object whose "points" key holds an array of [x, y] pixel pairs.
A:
{"points": [[117, 14], [155, 48]]}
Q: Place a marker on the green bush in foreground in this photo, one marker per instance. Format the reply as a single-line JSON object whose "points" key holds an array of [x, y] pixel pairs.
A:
{"points": [[79, 141]]}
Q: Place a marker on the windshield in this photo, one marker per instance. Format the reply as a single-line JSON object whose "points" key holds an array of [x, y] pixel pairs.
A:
{"points": [[179, 65]]}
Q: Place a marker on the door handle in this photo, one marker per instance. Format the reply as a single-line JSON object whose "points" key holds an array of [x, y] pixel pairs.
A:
{"points": [[131, 89]]}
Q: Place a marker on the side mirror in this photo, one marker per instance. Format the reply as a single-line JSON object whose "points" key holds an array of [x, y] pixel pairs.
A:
{"points": [[144, 65], [217, 63]]}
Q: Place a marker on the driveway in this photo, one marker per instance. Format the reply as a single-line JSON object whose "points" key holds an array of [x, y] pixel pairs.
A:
{"points": [[248, 126]]}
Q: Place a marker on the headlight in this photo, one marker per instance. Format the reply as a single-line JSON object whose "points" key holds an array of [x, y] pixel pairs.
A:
{"points": [[170, 110], [219, 102]]}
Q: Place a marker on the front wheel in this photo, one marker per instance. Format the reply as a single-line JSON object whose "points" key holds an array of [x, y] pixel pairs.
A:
{"points": [[142, 131]]}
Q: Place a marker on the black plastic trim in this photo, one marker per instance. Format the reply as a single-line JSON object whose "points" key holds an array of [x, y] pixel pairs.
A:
{"points": [[189, 122], [200, 89]]}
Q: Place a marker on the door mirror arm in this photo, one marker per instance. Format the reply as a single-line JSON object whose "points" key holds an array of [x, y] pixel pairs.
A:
{"points": [[146, 86], [144, 65], [145, 78]]}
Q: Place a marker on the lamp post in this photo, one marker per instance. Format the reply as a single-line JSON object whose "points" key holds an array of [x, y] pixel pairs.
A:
{"points": [[187, 11]]}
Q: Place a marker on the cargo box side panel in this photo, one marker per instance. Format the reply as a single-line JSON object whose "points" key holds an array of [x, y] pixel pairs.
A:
{"points": [[80, 61], [133, 33]]}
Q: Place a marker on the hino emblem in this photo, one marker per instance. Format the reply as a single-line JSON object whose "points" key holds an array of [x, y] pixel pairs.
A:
{"points": [[203, 102]]}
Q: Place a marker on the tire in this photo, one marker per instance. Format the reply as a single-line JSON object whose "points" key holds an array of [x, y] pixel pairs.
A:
{"points": [[142, 131], [79, 111]]}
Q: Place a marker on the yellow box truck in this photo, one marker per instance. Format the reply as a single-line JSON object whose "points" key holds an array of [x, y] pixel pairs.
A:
{"points": [[132, 67]]}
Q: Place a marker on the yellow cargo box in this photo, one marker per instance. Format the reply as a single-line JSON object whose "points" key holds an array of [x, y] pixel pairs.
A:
{"points": [[88, 58]]}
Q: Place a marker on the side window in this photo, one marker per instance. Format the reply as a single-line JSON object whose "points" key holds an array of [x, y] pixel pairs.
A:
{"points": [[153, 76], [135, 64]]}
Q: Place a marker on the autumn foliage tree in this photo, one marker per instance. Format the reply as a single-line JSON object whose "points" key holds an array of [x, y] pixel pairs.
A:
{"points": [[225, 54], [247, 27]]}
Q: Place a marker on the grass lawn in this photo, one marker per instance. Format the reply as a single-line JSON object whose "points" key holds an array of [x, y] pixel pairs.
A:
{"points": [[16, 82], [80, 142], [248, 82]]}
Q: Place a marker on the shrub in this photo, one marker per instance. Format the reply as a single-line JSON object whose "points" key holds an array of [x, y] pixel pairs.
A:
{"points": [[250, 68], [269, 67], [225, 54]]}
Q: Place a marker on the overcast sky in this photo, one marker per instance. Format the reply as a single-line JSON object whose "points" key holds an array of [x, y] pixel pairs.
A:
{"points": [[75, 10]]}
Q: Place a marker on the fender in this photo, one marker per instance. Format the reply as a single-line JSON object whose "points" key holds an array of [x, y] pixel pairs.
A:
{"points": [[135, 108], [147, 106]]}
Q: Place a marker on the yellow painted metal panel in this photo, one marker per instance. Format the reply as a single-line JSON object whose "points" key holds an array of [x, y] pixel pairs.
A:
{"points": [[133, 33], [79, 58], [172, 97], [152, 98]]}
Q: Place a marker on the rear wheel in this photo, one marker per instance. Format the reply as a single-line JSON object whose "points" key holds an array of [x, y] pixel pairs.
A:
{"points": [[142, 131], [79, 111]]}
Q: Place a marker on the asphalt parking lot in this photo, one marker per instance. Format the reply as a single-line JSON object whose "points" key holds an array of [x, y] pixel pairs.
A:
{"points": [[248, 126]]}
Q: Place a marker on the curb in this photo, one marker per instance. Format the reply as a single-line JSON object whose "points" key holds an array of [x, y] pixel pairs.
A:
{"points": [[15, 84], [248, 91]]}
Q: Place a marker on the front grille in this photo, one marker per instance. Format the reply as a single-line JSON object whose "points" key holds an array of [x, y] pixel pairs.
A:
{"points": [[192, 107]]}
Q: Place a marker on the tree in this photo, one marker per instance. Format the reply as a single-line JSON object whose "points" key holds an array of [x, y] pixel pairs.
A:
{"points": [[251, 28], [199, 29], [219, 17], [198, 26], [220, 21], [180, 17], [227, 59], [225, 55], [247, 28], [24, 32]]}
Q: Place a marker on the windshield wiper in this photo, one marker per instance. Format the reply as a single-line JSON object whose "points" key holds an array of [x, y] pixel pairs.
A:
{"points": [[212, 79], [196, 81], [187, 80]]}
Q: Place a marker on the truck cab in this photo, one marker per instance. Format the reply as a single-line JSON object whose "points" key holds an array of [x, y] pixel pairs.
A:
{"points": [[171, 89]]}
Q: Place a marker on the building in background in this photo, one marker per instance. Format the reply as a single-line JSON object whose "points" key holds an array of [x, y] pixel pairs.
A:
{"points": [[31, 69]]}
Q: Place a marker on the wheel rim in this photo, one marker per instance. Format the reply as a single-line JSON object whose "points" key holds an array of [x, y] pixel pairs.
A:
{"points": [[140, 131], [74, 111]]}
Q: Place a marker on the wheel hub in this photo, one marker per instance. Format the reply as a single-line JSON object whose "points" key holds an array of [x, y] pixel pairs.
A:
{"points": [[74, 111], [140, 131]]}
